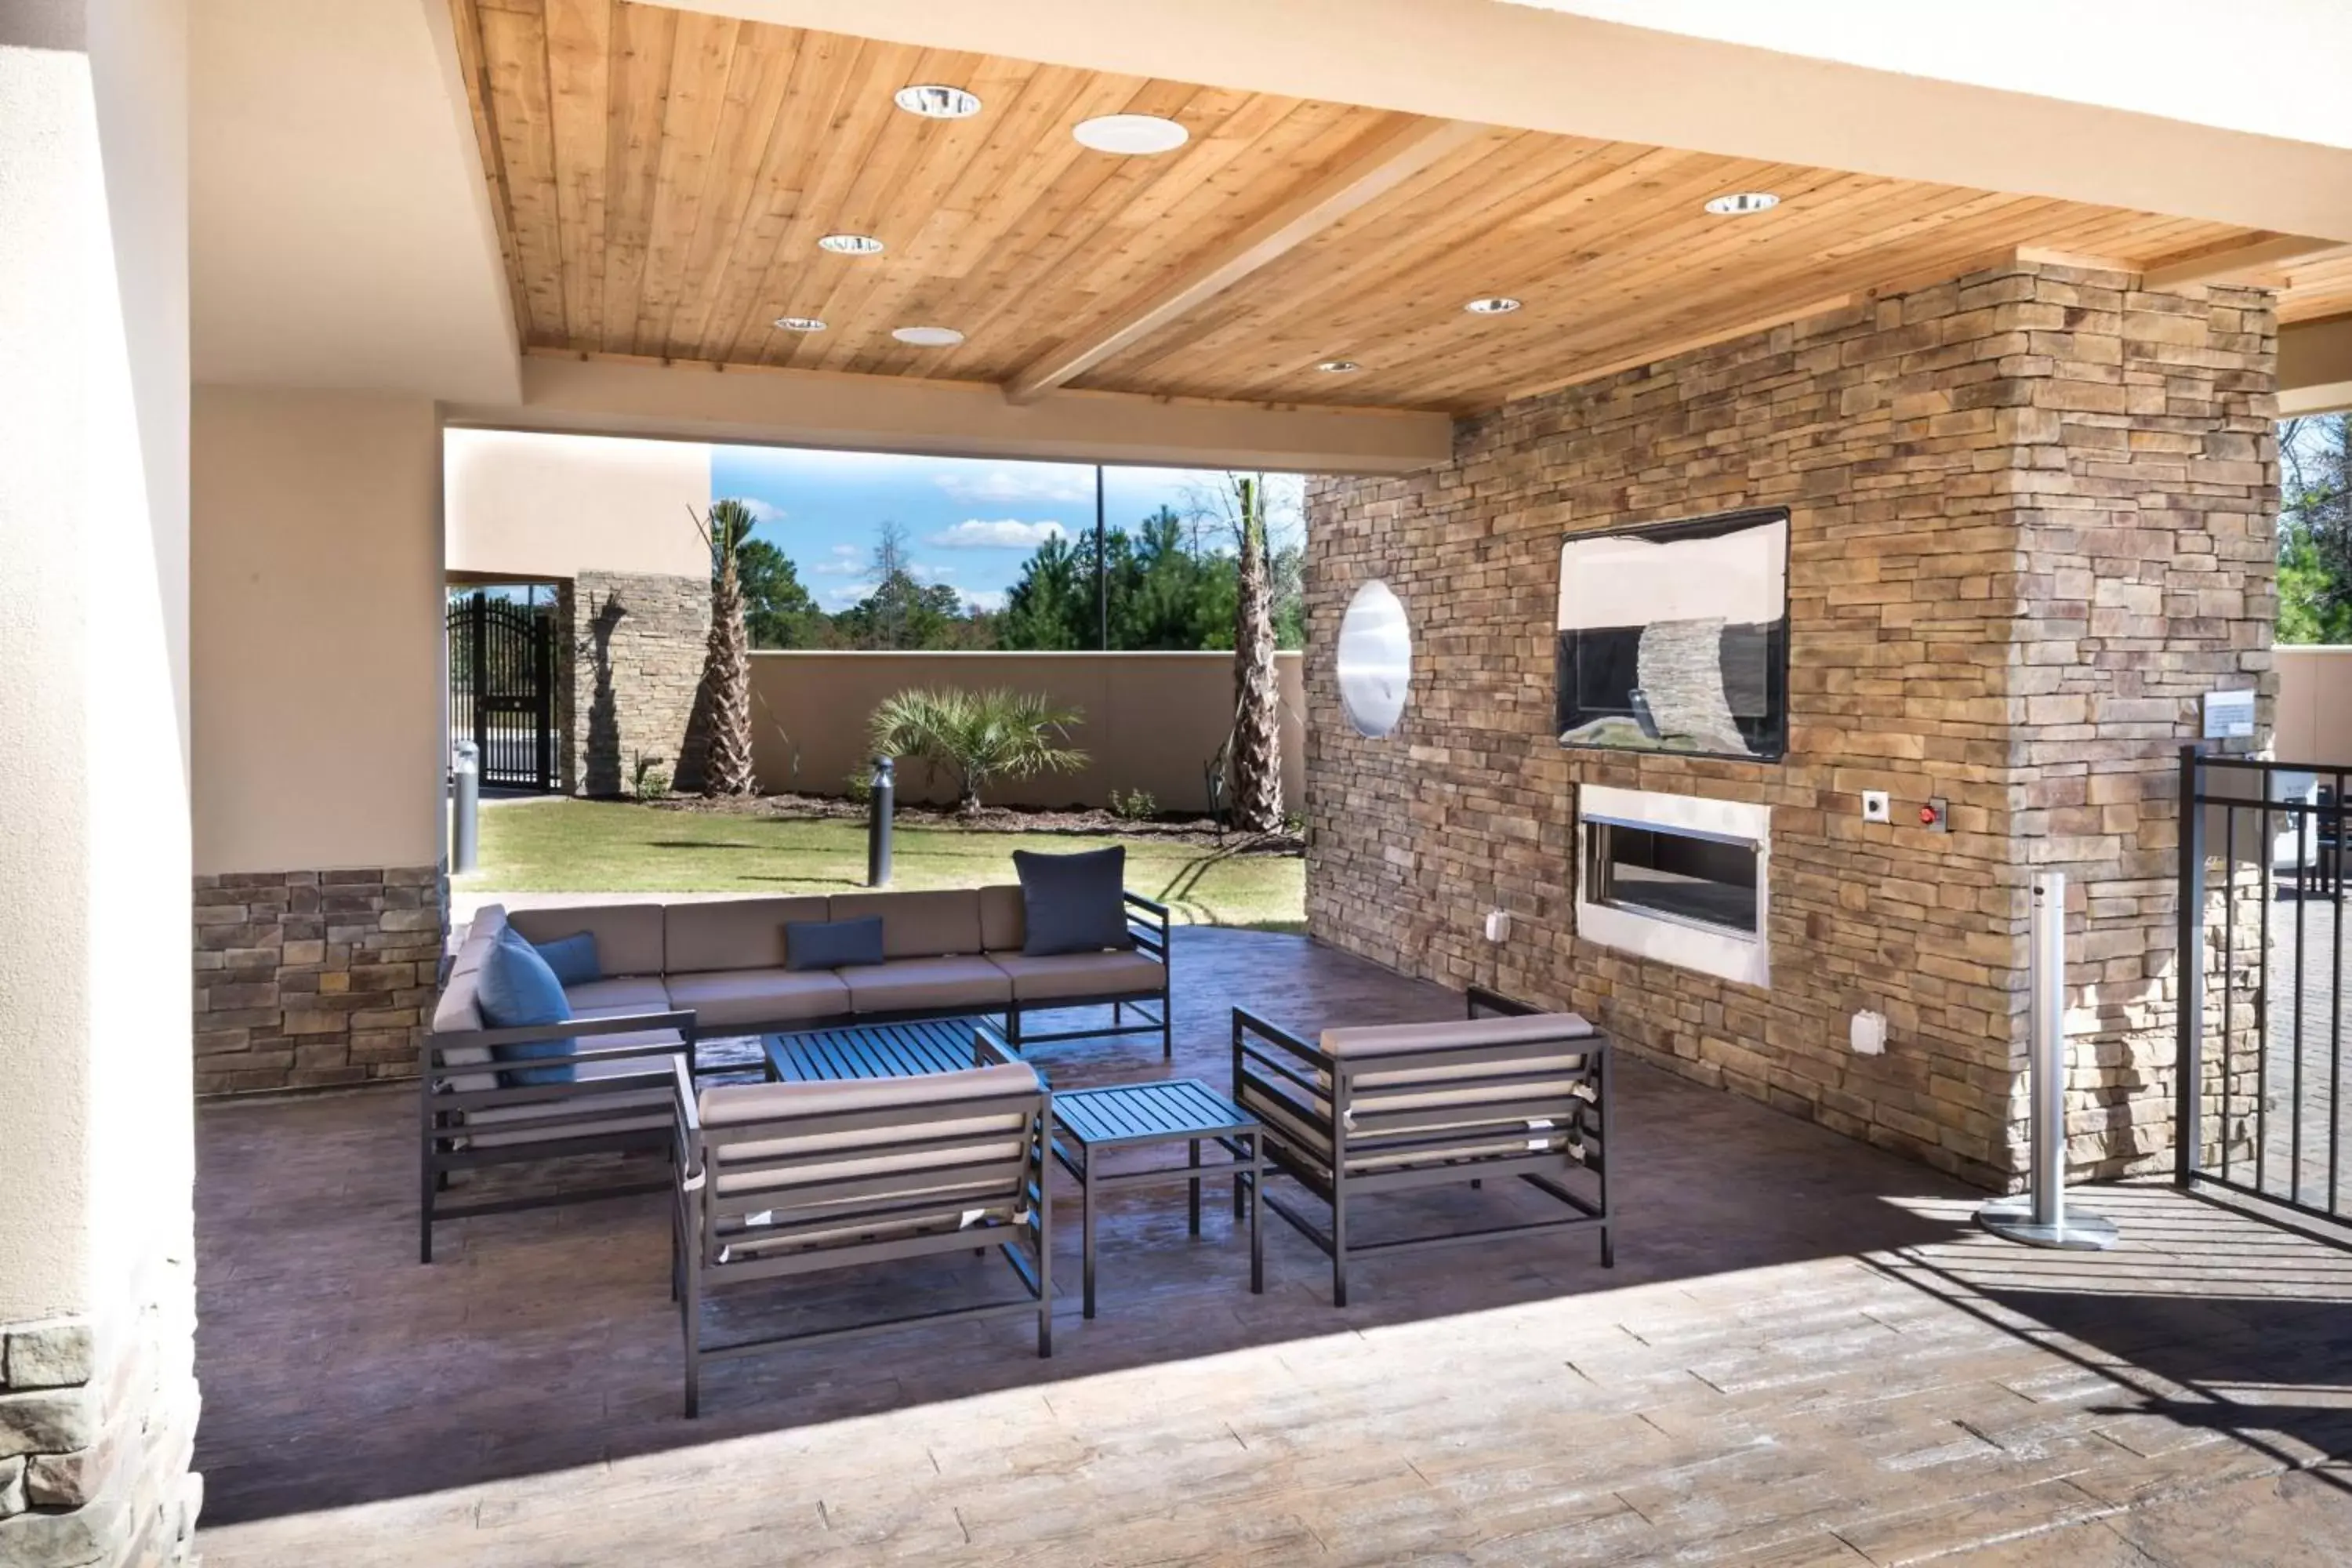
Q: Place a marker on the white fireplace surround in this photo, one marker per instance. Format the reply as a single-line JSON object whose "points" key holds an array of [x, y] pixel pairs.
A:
{"points": [[1727, 954]]}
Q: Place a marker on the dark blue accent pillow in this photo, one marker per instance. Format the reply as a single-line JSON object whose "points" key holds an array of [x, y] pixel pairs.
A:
{"points": [[833, 944], [1074, 903], [518, 990], [574, 958]]}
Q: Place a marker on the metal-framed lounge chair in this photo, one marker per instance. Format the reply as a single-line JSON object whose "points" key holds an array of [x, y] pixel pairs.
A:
{"points": [[1506, 1091], [793, 1178]]}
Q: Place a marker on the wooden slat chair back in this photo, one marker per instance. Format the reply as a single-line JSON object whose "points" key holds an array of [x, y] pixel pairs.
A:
{"points": [[1507, 1090], [795, 1178]]}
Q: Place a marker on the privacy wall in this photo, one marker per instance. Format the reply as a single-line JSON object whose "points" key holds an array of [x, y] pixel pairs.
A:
{"points": [[2031, 515]]}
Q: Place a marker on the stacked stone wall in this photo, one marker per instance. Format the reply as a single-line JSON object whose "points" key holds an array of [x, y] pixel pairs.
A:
{"points": [[629, 683], [314, 979], [2030, 526], [97, 1426]]}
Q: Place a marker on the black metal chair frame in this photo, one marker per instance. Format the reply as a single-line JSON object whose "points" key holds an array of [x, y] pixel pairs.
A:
{"points": [[449, 1146], [699, 1261], [1284, 1067]]}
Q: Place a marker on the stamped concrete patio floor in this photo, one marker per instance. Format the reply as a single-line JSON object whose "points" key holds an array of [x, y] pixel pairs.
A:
{"points": [[1804, 1355]]}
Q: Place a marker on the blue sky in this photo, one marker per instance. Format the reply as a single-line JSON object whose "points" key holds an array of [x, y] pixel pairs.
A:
{"points": [[969, 522]]}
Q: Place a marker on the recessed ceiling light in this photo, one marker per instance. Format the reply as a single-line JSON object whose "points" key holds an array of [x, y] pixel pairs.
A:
{"points": [[1338, 366], [1132, 135], [851, 245], [928, 337], [799, 324], [1739, 202], [935, 102], [1492, 305]]}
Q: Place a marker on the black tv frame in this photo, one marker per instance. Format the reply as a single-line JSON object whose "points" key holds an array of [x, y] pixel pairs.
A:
{"points": [[1776, 671]]}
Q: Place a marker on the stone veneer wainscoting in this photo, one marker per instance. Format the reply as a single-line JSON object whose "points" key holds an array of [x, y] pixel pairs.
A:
{"points": [[96, 1432], [629, 676], [314, 979], [2031, 517]]}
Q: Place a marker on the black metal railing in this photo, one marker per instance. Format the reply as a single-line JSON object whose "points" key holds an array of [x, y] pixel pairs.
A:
{"points": [[2262, 1006]]}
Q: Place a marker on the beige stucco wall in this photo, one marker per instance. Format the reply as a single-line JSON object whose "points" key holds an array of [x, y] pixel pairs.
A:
{"points": [[521, 505], [1152, 720], [2314, 705], [316, 590]]}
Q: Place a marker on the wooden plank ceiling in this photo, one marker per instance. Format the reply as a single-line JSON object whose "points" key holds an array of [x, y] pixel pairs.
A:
{"points": [[661, 178]]}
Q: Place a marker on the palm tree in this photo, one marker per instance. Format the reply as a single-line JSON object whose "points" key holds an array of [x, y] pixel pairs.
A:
{"points": [[978, 736], [1257, 718], [727, 659]]}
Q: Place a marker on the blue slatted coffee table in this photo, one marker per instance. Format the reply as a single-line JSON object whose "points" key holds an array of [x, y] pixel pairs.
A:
{"points": [[873, 1050]]}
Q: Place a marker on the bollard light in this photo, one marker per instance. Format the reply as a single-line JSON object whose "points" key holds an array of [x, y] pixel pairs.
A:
{"points": [[466, 791], [882, 800]]}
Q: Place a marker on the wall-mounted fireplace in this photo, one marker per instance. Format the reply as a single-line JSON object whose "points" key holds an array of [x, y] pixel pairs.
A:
{"points": [[1679, 879]]}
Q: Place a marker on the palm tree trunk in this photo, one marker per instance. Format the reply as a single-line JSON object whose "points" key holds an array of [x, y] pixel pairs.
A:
{"points": [[727, 671], [1257, 734]]}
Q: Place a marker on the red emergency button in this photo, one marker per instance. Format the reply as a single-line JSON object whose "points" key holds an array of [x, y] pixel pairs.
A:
{"points": [[1927, 817]]}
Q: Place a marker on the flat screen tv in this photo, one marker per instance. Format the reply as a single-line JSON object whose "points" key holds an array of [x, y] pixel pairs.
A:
{"points": [[1674, 638]]}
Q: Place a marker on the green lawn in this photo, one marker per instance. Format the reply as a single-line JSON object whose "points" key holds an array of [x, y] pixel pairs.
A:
{"points": [[601, 847]]}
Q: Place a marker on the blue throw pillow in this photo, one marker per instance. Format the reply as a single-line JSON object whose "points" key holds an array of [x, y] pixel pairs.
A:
{"points": [[1074, 903], [574, 958], [833, 944], [519, 990]]}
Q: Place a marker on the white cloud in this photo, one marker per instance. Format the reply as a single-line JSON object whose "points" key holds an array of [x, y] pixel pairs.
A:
{"points": [[1005, 533], [843, 595], [761, 512], [988, 601], [925, 572], [842, 560], [1036, 483]]}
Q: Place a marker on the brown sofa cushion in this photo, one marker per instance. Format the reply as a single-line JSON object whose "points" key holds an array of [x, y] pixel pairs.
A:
{"points": [[918, 924], [906, 984], [628, 936], [1003, 927], [741, 998], [1072, 976], [704, 934]]}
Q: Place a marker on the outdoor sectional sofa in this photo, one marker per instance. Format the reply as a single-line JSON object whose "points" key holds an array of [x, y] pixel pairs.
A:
{"points": [[678, 971]]}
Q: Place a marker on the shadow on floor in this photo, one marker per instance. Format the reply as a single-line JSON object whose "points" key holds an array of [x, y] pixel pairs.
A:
{"points": [[2209, 1320]]}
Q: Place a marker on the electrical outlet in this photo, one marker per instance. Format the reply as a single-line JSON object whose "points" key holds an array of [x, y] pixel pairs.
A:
{"points": [[1868, 1033], [1498, 925], [1875, 806]]}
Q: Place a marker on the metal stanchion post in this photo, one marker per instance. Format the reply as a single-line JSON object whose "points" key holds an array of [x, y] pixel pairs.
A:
{"points": [[2040, 1217]]}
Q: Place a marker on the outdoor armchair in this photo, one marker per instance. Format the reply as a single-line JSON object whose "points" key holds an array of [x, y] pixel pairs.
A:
{"points": [[795, 1178], [1507, 1091]]}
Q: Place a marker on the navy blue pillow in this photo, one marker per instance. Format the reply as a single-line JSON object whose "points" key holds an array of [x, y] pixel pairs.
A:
{"points": [[833, 944], [574, 958], [1074, 903], [518, 990]]}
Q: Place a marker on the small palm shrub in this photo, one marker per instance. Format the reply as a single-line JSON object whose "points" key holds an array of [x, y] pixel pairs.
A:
{"points": [[978, 737], [1133, 805]]}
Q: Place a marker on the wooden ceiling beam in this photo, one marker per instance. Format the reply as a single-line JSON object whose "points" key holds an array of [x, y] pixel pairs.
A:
{"points": [[1388, 162], [2263, 256]]}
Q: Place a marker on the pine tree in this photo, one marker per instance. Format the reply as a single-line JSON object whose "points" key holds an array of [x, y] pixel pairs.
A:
{"points": [[727, 659]]}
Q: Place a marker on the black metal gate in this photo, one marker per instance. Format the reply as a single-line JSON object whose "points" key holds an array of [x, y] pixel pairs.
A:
{"points": [[2263, 1108], [502, 686]]}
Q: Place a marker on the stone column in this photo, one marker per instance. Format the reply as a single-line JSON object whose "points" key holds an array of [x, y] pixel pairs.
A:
{"points": [[634, 676], [97, 1397]]}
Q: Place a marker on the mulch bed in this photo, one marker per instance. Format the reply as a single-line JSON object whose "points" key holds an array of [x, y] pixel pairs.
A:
{"points": [[1167, 828]]}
